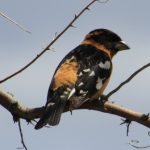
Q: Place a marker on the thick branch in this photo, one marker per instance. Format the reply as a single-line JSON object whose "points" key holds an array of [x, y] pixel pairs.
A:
{"points": [[10, 103]]}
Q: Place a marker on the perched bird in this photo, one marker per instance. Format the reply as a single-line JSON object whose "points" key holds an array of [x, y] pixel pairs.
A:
{"points": [[82, 75]]}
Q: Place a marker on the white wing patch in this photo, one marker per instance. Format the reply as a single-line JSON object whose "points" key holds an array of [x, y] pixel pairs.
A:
{"points": [[99, 83], [81, 84], [83, 92], [68, 89], [92, 74], [65, 92], [50, 104], [80, 74], [87, 70], [72, 92], [105, 65], [62, 96]]}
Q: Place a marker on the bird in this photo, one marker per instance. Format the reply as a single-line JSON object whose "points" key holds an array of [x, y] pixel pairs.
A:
{"points": [[82, 75]]}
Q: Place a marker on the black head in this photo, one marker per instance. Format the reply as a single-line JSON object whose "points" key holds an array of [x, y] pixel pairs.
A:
{"points": [[109, 39]]}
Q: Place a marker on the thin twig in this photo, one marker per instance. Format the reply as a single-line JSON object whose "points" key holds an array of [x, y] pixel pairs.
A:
{"points": [[21, 135], [103, 1], [128, 123], [127, 80], [139, 147], [14, 22], [51, 43]]}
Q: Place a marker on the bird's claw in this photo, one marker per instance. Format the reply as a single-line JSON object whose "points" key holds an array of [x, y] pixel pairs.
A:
{"points": [[144, 117], [103, 98]]}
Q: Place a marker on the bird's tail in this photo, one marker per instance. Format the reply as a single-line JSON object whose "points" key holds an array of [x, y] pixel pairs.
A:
{"points": [[55, 116], [51, 115]]}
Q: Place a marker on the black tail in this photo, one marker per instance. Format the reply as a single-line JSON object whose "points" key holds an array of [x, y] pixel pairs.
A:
{"points": [[51, 115], [55, 116]]}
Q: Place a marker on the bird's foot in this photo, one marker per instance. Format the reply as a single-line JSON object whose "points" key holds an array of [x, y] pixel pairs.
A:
{"points": [[103, 98], [144, 117]]}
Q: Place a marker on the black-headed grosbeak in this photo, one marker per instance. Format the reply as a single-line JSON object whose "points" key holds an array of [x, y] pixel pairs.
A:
{"points": [[82, 75]]}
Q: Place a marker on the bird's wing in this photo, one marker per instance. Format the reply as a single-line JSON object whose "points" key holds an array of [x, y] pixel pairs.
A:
{"points": [[93, 77]]}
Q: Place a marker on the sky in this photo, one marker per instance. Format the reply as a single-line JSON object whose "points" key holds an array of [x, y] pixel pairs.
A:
{"points": [[85, 129]]}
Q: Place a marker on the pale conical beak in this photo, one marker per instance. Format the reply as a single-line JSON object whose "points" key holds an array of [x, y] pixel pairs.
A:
{"points": [[122, 46]]}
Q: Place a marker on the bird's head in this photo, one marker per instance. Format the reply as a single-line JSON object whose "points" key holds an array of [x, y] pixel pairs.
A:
{"points": [[108, 39]]}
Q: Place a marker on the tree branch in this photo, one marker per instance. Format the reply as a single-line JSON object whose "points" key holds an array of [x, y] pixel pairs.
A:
{"points": [[14, 22], [51, 43], [21, 135], [138, 147], [127, 80], [10, 103]]}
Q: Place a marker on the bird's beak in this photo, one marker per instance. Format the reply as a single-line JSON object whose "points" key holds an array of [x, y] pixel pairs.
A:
{"points": [[122, 46]]}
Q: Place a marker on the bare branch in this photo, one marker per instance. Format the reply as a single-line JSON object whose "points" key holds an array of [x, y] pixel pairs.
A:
{"points": [[102, 1], [10, 103], [21, 135], [51, 43], [14, 22], [128, 123], [127, 80], [139, 147]]}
